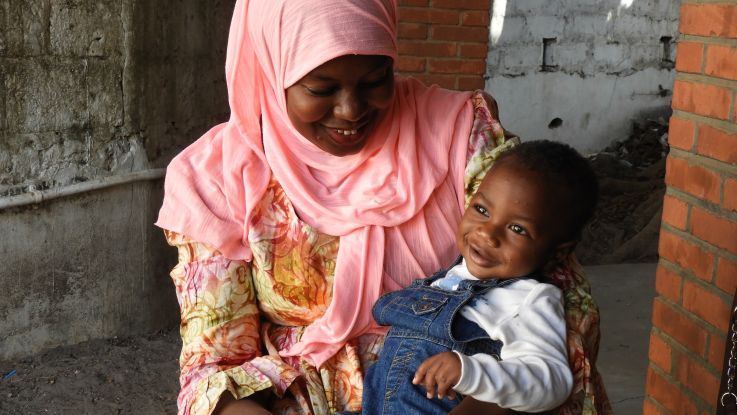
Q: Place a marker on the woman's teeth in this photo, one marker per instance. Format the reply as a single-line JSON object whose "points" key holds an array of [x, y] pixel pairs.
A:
{"points": [[346, 132]]}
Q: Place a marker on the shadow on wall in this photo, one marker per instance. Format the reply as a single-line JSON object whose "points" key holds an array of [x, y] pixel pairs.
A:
{"points": [[578, 71]]}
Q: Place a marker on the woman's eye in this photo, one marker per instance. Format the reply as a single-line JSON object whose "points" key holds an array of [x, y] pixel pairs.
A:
{"points": [[320, 92], [480, 209], [518, 229], [377, 83]]}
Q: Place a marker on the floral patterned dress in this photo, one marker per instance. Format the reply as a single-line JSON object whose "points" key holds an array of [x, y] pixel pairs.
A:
{"points": [[237, 315]]}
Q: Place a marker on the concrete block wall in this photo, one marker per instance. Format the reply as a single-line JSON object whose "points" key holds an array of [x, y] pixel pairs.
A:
{"points": [[444, 42], [697, 273], [580, 71], [98, 88], [92, 90]]}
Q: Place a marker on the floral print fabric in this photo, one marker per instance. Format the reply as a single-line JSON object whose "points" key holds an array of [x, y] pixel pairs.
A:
{"points": [[236, 316]]}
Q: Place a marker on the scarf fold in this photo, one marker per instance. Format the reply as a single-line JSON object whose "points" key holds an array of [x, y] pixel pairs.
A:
{"points": [[395, 204]]}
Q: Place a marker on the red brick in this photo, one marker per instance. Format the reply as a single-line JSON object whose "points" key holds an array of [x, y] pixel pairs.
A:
{"points": [[706, 305], [715, 230], [660, 352], [424, 15], [689, 56], [721, 61], [668, 284], [726, 278], [717, 144], [410, 64], [697, 378], [471, 83], [476, 18], [459, 66], [708, 100], [675, 212], [462, 4], [687, 255], [668, 395], [412, 3], [730, 195], [474, 50], [649, 408], [445, 81], [709, 20], [427, 49], [681, 133], [715, 354], [460, 33], [694, 179], [412, 31], [685, 331]]}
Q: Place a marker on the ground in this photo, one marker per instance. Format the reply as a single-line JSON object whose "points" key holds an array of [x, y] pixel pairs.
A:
{"points": [[139, 375]]}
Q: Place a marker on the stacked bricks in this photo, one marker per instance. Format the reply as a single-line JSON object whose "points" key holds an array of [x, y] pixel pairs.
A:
{"points": [[444, 42], [697, 274]]}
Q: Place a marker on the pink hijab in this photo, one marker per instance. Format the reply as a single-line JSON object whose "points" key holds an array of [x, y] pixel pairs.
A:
{"points": [[395, 205]]}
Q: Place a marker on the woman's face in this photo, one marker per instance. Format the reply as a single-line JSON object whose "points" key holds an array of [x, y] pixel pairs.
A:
{"points": [[339, 103]]}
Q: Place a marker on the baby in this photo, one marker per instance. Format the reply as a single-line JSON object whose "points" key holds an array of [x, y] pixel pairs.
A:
{"points": [[490, 327]]}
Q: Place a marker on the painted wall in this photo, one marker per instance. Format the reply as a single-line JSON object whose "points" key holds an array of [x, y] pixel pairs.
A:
{"points": [[581, 71]]}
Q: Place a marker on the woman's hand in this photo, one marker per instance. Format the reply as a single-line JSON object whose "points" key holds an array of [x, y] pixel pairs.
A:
{"points": [[228, 405], [442, 371]]}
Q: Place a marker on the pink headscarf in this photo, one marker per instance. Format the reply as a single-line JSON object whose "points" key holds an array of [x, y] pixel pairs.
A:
{"points": [[395, 204]]}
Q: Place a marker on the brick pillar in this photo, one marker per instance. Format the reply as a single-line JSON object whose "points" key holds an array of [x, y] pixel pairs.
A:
{"points": [[444, 42], [697, 274]]}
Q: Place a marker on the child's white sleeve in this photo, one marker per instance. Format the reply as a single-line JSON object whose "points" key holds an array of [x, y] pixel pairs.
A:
{"points": [[533, 374]]}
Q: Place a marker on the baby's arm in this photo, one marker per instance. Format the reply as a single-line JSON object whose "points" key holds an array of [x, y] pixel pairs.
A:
{"points": [[442, 370], [533, 374]]}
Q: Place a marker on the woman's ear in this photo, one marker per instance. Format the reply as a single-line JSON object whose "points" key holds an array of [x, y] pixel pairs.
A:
{"points": [[560, 253]]}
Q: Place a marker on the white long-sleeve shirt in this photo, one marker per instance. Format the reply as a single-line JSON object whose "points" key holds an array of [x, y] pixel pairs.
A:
{"points": [[527, 316]]}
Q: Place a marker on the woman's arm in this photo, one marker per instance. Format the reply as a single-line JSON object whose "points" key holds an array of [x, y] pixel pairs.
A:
{"points": [[221, 358]]}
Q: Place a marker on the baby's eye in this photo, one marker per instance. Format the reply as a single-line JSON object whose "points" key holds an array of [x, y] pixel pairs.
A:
{"points": [[518, 229], [480, 209]]}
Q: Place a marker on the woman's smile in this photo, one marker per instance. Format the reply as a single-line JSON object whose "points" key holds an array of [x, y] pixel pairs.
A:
{"points": [[348, 136]]}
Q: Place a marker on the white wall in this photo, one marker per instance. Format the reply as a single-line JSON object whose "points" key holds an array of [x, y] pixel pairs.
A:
{"points": [[606, 67]]}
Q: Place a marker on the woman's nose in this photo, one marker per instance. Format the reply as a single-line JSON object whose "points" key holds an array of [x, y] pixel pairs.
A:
{"points": [[349, 106]]}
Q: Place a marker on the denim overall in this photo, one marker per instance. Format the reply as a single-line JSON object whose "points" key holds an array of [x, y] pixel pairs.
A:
{"points": [[424, 321]]}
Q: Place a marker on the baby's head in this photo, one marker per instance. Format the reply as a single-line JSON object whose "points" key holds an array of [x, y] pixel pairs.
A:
{"points": [[528, 212]]}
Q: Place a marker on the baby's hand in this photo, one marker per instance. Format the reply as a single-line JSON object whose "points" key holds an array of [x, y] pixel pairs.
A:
{"points": [[442, 370]]}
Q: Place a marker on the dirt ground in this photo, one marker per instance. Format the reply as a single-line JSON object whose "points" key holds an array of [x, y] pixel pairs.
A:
{"points": [[136, 375], [626, 223], [140, 375]]}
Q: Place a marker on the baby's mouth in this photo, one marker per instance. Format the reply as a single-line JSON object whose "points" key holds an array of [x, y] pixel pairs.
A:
{"points": [[479, 258]]}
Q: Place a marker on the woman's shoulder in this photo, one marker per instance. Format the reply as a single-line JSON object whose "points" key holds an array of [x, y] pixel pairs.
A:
{"points": [[204, 192]]}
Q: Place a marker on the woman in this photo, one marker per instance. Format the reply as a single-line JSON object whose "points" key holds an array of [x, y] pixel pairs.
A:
{"points": [[331, 183]]}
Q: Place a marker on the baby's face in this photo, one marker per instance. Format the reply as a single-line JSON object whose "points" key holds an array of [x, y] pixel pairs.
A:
{"points": [[512, 225]]}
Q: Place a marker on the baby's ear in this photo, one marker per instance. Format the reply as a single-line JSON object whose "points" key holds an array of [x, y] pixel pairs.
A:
{"points": [[560, 253]]}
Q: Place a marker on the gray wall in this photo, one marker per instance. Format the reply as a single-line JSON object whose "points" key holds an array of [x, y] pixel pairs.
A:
{"points": [[607, 63], [91, 89]]}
